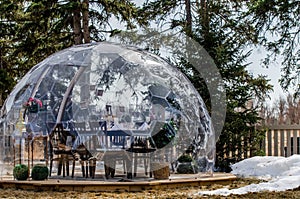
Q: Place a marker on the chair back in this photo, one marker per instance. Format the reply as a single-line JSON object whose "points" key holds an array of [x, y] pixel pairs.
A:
{"points": [[80, 127], [118, 141], [103, 126], [60, 138], [95, 126]]}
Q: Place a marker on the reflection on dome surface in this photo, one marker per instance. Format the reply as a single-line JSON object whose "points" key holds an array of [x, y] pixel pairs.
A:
{"points": [[94, 92]]}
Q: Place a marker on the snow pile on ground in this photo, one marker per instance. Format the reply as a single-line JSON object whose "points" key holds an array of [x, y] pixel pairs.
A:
{"points": [[282, 174]]}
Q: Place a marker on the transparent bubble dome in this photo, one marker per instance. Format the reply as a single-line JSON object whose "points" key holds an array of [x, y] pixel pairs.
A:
{"points": [[108, 97]]}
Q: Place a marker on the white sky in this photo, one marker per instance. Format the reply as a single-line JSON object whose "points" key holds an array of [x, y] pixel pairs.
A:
{"points": [[280, 174], [272, 72]]}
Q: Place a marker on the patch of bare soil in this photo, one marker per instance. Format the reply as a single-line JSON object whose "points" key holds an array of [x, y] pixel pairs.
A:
{"points": [[184, 192]]}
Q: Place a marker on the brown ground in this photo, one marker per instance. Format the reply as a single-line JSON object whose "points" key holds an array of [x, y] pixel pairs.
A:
{"points": [[184, 192]]}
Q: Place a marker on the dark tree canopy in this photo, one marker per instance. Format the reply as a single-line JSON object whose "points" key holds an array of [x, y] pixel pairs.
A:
{"points": [[277, 25]]}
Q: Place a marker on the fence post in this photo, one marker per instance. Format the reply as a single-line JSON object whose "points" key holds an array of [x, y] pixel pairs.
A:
{"points": [[275, 142], [282, 147], [289, 143], [295, 145], [270, 143]]}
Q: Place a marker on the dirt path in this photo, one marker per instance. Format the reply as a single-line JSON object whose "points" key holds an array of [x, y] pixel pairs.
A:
{"points": [[184, 192]]}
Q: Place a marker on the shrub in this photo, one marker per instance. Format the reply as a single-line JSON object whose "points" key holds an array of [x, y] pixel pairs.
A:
{"points": [[39, 172], [185, 158], [185, 168], [259, 153], [20, 172], [186, 164]]}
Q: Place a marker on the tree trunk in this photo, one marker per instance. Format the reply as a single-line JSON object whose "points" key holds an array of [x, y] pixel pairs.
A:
{"points": [[85, 21], [188, 17], [77, 23], [204, 18]]}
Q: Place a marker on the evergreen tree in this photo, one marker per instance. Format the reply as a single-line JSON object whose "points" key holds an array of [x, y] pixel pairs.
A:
{"points": [[220, 28], [277, 25], [8, 12], [32, 30]]}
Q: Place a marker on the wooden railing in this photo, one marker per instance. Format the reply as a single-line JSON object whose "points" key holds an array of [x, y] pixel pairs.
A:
{"points": [[282, 140]]}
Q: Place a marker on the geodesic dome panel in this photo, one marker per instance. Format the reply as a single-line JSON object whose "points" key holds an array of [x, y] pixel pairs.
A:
{"points": [[126, 87]]}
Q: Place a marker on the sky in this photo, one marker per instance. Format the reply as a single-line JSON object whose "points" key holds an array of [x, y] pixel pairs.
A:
{"points": [[273, 72], [279, 173]]}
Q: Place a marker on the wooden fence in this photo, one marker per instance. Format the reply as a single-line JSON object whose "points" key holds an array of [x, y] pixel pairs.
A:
{"points": [[282, 140]]}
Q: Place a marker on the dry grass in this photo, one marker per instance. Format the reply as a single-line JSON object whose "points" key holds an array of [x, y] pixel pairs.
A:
{"points": [[184, 192]]}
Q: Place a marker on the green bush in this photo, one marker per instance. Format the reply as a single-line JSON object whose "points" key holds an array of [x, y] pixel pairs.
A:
{"points": [[185, 164], [20, 172], [259, 153], [185, 158], [185, 168], [39, 172]]}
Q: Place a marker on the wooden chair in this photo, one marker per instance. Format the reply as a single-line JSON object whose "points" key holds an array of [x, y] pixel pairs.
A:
{"points": [[87, 161], [59, 149], [86, 147], [142, 147], [82, 148], [141, 152], [97, 132], [115, 145]]}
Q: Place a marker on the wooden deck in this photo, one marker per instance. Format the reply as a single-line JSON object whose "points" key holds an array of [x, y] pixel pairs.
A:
{"points": [[119, 183]]}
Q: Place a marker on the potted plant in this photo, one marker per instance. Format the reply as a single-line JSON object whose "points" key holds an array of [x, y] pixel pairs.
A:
{"points": [[20, 172], [39, 172], [33, 105], [185, 165]]}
